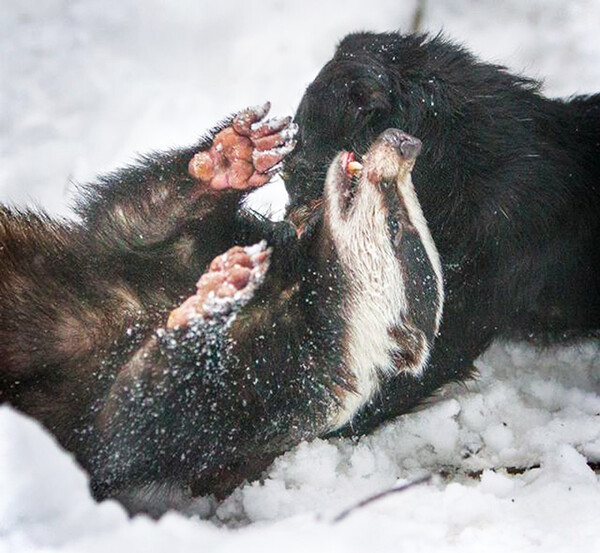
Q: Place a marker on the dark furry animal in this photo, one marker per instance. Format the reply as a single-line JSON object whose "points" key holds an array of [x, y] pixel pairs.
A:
{"points": [[509, 182], [161, 397], [78, 300]]}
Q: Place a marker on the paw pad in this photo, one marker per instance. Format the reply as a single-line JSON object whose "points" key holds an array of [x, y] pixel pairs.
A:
{"points": [[229, 283], [246, 154]]}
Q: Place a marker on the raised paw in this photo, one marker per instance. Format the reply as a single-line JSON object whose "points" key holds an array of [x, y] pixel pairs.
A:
{"points": [[229, 283], [247, 153]]}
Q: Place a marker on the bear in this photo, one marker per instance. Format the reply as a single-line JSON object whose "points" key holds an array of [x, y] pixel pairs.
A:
{"points": [[171, 369], [508, 179]]}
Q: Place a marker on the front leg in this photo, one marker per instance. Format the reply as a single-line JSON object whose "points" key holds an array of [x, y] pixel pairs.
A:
{"points": [[151, 205], [245, 154]]}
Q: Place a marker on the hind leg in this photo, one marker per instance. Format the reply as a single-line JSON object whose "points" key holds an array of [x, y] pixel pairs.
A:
{"points": [[169, 408], [228, 284]]}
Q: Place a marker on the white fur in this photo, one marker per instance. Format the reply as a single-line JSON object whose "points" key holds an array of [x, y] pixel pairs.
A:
{"points": [[376, 299]]}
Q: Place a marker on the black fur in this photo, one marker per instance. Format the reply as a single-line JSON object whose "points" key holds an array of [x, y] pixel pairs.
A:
{"points": [[509, 182], [194, 410], [79, 300]]}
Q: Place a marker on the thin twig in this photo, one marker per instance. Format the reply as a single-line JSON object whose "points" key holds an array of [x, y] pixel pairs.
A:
{"points": [[379, 496], [513, 471], [418, 16]]}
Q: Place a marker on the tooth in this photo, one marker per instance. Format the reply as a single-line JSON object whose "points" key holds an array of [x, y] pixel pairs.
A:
{"points": [[354, 168]]}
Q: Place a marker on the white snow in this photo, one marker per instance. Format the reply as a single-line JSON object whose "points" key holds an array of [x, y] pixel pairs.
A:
{"points": [[86, 84]]}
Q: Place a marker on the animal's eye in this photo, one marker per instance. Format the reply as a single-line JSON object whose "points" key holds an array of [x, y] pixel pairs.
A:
{"points": [[359, 97], [370, 102]]}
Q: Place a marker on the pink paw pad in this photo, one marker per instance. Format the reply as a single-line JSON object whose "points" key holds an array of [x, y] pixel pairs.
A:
{"points": [[246, 154], [229, 283]]}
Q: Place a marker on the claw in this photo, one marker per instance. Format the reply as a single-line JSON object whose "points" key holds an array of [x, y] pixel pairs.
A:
{"points": [[274, 170], [270, 141], [242, 123], [264, 160], [261, 111], [263, 128]]}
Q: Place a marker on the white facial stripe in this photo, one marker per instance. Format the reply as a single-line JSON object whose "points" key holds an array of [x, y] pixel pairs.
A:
{"points": [[376, 296], [376, 299]]}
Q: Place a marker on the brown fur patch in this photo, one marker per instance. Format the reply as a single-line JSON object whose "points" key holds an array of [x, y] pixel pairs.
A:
{"points": [[411, 344]]}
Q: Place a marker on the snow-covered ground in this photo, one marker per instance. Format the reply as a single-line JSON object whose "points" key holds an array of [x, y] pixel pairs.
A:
{"points": [[85, 84]]}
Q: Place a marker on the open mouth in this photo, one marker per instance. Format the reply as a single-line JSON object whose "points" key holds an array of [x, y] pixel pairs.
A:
{"points": [[352, 170]]}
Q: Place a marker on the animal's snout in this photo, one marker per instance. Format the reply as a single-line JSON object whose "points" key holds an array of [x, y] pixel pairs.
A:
{"points": [[406, 145]]}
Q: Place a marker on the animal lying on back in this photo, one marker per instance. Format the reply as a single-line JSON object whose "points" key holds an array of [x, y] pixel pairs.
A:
{"points": [[165, 389], [509, 182]]}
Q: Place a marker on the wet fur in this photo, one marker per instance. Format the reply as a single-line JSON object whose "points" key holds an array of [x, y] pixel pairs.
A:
{"points": [[508, 181], [158, 416]]}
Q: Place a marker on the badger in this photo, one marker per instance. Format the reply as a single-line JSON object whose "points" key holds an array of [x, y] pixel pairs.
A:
{"points": [[171, 369]]}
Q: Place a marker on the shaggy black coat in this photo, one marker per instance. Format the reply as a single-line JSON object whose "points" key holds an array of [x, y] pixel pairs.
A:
{"points": [[509, 182]]}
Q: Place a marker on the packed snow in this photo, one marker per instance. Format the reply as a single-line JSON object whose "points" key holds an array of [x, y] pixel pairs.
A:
{"points": [[512, 454]]}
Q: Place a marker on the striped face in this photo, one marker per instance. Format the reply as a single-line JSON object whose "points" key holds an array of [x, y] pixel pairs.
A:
{"points": [[393, 304]]}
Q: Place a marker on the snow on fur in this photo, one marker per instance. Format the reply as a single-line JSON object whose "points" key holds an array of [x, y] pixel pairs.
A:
{"points": [[85, 86]]}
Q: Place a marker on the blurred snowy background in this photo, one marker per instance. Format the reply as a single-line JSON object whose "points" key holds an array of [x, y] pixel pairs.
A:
{"points": [[86, 84]]}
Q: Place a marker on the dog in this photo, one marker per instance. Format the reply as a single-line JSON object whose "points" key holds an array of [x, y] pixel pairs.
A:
{"points": [[509, 182]]}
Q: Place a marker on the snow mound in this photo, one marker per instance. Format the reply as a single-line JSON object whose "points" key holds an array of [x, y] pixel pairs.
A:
{"points": [[512, 457]]}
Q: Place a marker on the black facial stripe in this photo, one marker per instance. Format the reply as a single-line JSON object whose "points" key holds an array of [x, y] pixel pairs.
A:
{"points": [[418, 275]]}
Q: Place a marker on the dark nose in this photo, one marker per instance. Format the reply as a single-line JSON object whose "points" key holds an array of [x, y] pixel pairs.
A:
{"points": [[406, 145]]}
